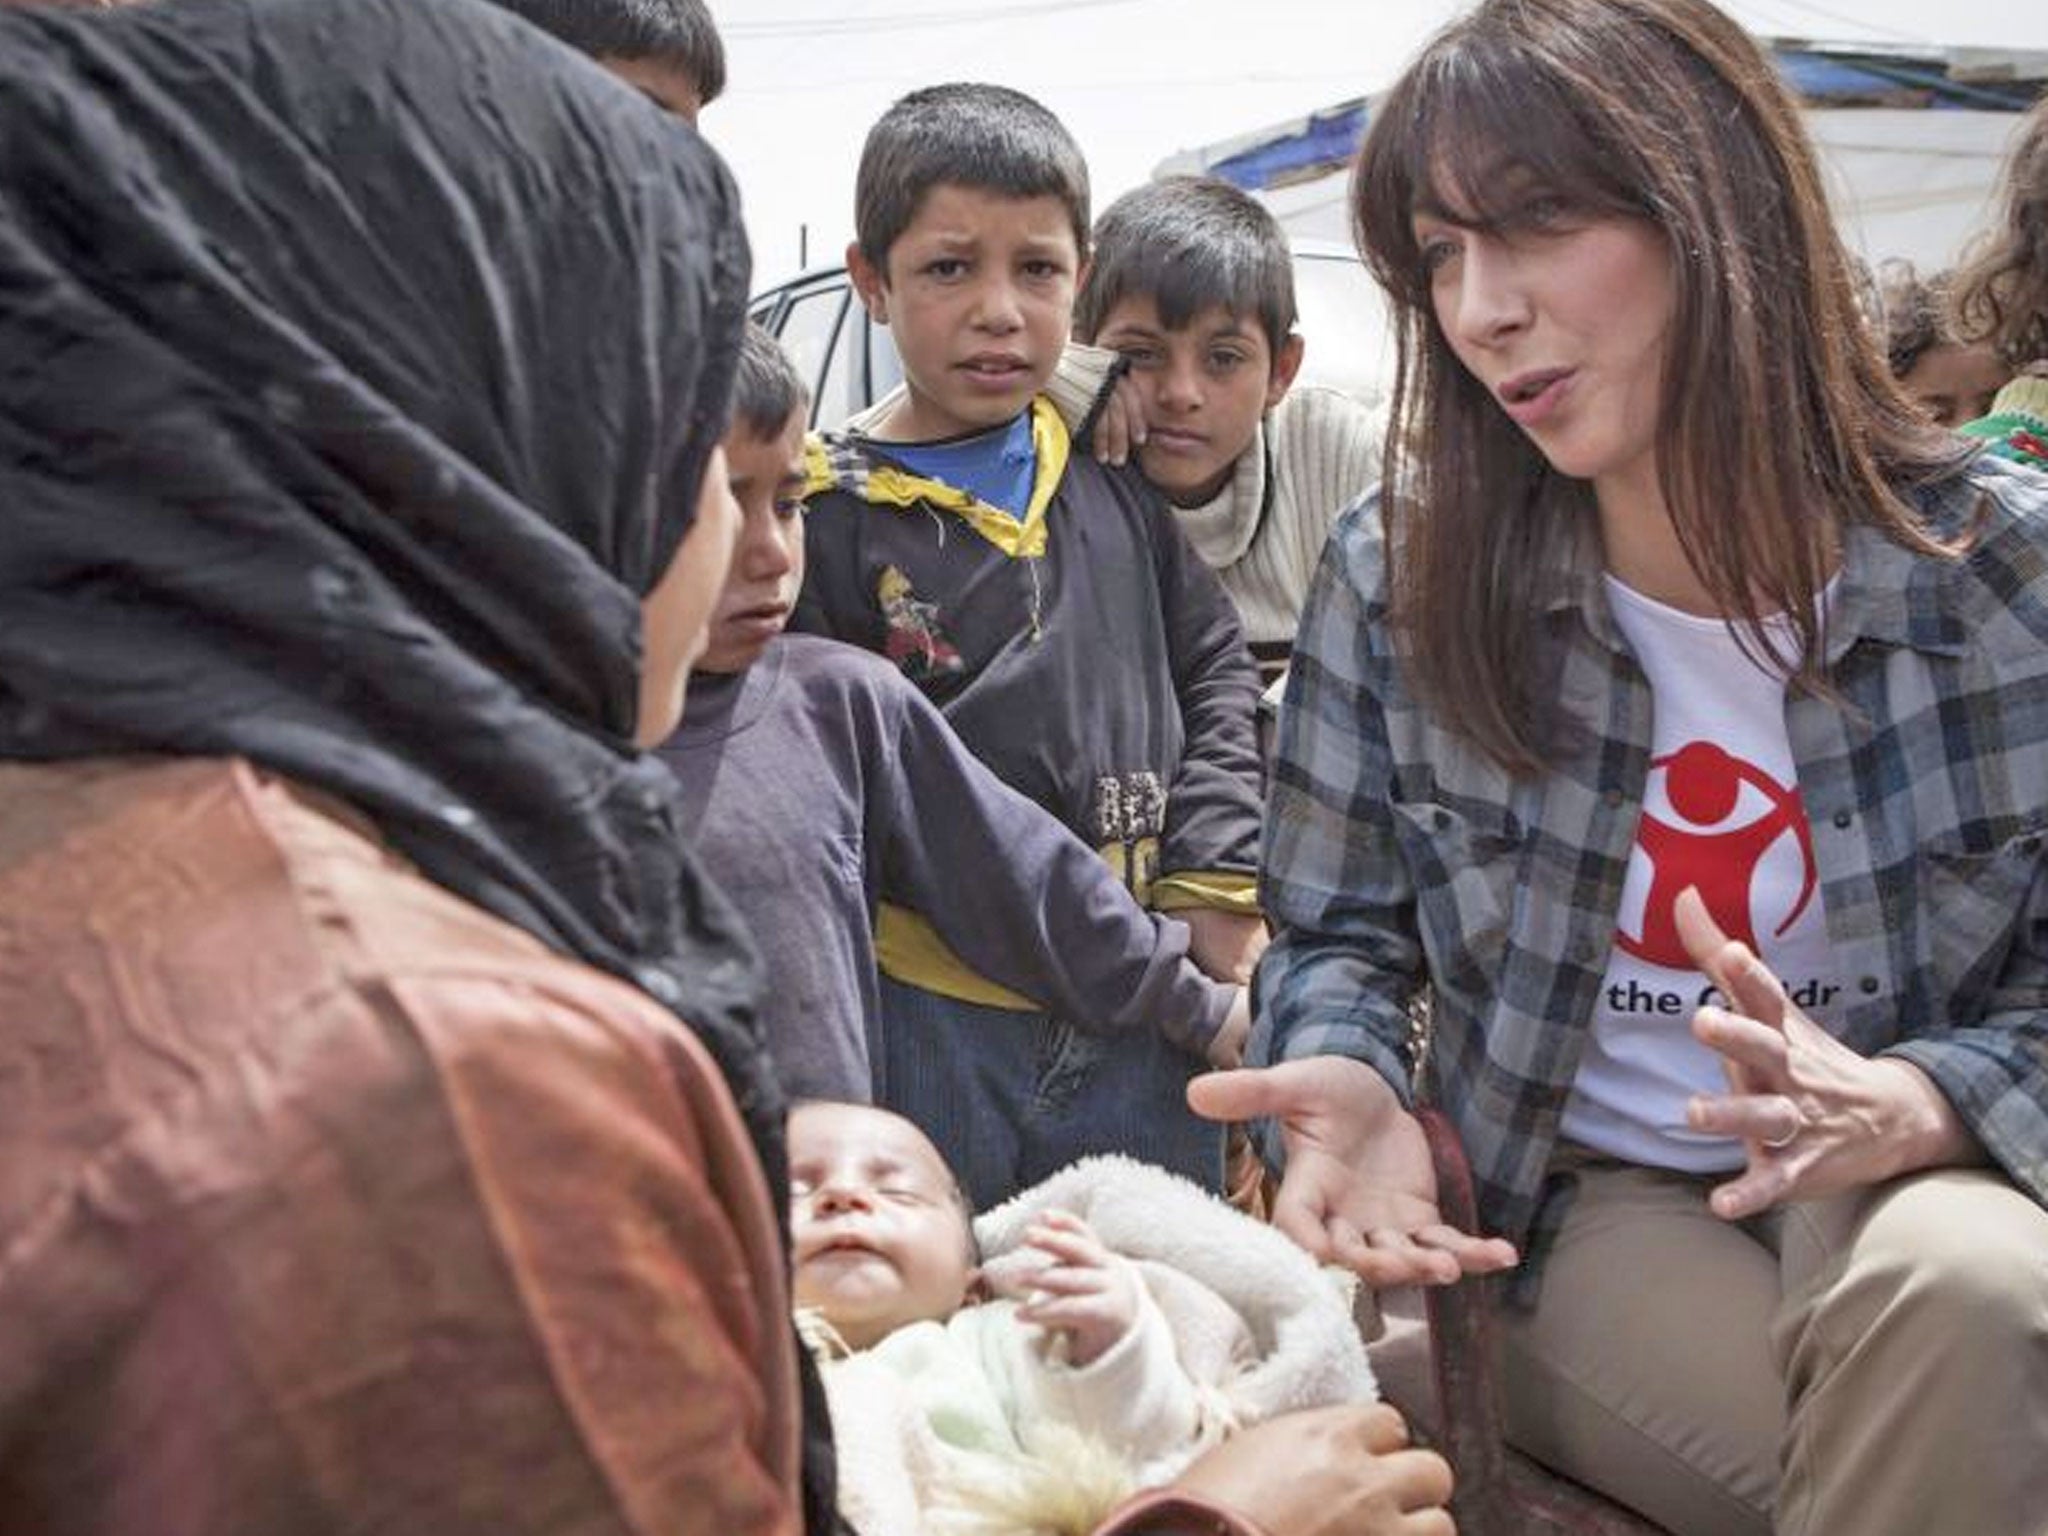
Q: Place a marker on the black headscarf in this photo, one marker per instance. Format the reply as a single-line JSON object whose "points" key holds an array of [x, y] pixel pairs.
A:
{"points": [[360, 361]]}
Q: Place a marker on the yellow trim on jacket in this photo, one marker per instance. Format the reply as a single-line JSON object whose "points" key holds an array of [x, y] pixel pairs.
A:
{"points": [[1224, 890], [908, 949], [884, 485]]}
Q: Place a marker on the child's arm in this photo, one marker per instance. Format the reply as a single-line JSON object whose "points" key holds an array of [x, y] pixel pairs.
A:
{"points": [[1107, 1361], [1084, 1297], [1020, 899], [1208, 858], [1093, 392]]}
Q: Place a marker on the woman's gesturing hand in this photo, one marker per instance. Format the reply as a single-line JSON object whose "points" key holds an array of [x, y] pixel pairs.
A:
{"points": [[1815, 1116], [1359, 1189]]}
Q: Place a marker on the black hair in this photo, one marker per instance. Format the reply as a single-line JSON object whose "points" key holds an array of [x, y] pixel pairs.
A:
{"points": [[766, 388], [678, 32], [985, 137], [1190, 243]]}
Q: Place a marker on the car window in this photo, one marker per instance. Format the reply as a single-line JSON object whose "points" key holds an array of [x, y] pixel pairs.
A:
{"points": [[838, 396], [807, 330], [885, 368]]}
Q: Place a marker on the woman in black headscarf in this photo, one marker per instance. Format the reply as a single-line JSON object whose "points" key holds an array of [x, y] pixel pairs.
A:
{"points": [[362, 370]]}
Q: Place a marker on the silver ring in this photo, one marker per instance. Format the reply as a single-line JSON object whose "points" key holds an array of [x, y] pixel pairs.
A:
{"points": [[1785, 1140]]}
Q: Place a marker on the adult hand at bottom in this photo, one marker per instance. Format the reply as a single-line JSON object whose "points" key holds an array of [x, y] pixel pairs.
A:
{"points": [[1343, 1471]]}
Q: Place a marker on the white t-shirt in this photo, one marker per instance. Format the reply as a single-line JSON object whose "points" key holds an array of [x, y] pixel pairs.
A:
{"points": [[1721, 812]]}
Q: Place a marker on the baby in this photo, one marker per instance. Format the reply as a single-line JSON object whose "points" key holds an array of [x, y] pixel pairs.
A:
{"points": [[1121, 1321]]}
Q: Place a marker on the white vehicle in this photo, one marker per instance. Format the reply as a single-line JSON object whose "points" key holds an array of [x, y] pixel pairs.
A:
{"points": [[850, 362]]}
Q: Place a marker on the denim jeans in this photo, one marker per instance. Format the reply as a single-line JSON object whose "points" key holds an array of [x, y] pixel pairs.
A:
{"points": [[1011, 1097]]}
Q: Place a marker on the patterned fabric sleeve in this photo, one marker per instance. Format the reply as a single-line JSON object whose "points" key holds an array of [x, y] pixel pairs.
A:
{"points": [[1345, 959], [1981, 1033]]}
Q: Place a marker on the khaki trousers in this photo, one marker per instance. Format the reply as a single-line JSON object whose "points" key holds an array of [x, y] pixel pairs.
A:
{"points": [[1874, 1364]]}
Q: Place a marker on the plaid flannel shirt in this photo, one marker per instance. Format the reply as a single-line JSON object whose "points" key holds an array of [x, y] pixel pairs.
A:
{"points": [[1396, 855]]}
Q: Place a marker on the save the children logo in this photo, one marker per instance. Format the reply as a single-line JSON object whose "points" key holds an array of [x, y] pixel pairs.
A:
{"points": [[1715, 838]]}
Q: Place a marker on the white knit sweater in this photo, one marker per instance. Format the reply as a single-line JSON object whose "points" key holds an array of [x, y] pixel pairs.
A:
{"points": [[1318, 453]]}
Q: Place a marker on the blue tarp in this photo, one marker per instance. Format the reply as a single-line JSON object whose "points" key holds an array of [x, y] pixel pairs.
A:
{"points": [[1327, 141]]}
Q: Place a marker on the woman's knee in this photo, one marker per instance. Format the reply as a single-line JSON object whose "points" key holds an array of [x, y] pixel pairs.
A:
{"points": [[1958, 1259]]}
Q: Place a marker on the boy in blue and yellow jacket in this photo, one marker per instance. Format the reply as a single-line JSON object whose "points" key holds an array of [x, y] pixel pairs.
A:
{"points": [[1052, 610]]}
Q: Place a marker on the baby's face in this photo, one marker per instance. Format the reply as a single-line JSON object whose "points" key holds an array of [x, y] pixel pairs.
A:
{"points": [[880, 1233]]}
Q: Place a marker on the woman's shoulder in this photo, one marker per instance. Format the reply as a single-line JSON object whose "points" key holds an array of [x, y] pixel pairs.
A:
{"points": [[1993, 588], [215, 877], [1990, 506], [1356, 551], [181, 921]]}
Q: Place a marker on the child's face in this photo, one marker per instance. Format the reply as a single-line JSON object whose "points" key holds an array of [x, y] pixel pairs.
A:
{"points": [[1206, 386], [767, 479], [1955, 382], [978, 295], [880, 1236], [675, 615]]}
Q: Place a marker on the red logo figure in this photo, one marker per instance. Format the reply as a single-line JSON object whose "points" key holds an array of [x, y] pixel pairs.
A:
{"points": [[1702, 784]]}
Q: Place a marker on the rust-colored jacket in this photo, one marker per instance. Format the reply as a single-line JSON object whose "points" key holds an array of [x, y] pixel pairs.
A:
{"points": [[329, 1202]]}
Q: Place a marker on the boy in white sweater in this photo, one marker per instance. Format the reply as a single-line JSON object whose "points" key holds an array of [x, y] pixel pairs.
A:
{"points": [[1192, 284]]}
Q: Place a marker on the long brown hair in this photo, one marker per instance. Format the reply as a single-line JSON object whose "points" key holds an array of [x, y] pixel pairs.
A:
{"points": [[1779, 418], [2001, 292]]}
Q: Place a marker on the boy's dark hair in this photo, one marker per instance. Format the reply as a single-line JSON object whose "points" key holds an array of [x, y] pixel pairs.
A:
{"points": [[985, 137], [1190, 242], [766, 390], [678, 32]]}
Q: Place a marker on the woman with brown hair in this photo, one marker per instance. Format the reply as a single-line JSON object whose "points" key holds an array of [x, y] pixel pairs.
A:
{"points": [[1677, 719]]}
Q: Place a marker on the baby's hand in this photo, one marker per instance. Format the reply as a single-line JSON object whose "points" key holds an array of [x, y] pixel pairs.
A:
{"points": [[1083, 1293]]}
